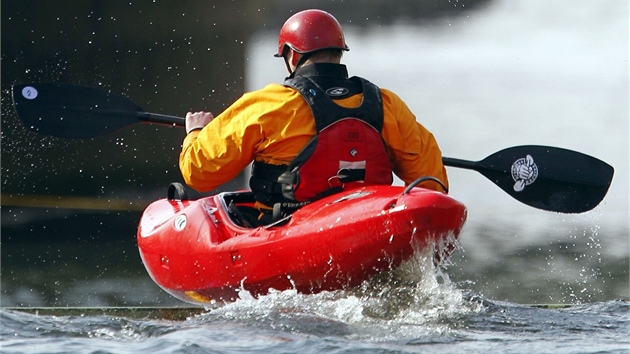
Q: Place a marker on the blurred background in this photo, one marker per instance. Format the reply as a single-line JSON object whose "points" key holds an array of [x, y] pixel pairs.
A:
{"points": [[481, 75]]}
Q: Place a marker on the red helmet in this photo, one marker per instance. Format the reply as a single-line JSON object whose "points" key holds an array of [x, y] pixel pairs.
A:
{"points": [[311, 30]]}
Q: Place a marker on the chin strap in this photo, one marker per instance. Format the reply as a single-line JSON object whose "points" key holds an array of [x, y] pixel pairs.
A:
{"points": [[303, 58], [286, 62]]}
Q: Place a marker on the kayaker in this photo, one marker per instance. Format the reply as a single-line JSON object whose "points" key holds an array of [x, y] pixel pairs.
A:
{"points": [[271, 126]]}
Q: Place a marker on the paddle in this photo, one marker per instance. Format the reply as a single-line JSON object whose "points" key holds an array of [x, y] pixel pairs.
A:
{"points": [[544, 177], [72, 111], [553, 179]]}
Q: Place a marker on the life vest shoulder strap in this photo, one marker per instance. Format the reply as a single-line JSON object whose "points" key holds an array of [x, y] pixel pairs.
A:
{"points": [[326, 111]]}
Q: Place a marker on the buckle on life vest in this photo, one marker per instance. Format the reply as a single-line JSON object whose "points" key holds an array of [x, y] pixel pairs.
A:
{"points": [[345, 175], [337, 181]]}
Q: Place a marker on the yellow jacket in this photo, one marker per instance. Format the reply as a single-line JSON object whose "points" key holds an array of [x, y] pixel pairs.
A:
{"points": [[273, 124]]}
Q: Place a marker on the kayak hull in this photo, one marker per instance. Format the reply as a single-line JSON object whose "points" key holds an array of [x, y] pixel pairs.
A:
{"points": [[197, 252]]}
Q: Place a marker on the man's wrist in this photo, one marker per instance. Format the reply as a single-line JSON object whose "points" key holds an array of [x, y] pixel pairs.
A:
{"points": [[190, 130]]}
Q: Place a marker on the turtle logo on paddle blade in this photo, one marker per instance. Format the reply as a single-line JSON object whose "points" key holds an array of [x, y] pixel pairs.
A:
{"points": [[524, 172]]}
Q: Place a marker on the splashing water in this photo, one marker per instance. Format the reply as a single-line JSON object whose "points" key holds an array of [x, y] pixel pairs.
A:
{"points": [[414, 300]]}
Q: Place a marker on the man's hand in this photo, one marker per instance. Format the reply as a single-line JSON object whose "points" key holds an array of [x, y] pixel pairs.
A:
{"points": [[197, 120]]}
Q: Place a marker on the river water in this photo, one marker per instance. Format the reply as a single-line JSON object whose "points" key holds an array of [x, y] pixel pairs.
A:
{"points": [[513, 73]]}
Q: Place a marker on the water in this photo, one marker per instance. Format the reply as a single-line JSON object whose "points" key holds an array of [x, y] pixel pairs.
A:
{"points": [[414, 309], [517, 72], [436, 319]]}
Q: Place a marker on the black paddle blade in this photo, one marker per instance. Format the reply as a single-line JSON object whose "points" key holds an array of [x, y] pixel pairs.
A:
{"points": [[549, 178], [71, 111]]}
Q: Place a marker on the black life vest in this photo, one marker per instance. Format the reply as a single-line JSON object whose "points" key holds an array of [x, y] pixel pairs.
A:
{"points": [[348, 150]]}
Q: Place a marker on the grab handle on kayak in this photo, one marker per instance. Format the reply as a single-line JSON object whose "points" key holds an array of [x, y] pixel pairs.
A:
{"points": [[176, 192], [422, 179]]}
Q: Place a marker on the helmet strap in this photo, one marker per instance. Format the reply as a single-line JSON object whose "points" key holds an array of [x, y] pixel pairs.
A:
{"points": [[301, 60], [286, 62]]}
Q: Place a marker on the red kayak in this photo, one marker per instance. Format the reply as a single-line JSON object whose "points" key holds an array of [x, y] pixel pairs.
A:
{"points": [[200, 251]]}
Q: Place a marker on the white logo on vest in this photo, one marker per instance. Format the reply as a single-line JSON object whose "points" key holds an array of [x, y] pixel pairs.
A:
{"points": [[337, 91]]}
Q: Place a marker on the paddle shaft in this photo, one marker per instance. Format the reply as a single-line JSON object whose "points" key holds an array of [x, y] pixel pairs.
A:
{"points": [[459, 163], [181, 122], [162, 119]]}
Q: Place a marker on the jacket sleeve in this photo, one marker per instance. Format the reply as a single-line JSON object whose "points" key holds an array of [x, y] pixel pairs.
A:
{"points": [[271, 125], [220, 151], [413, 149]]}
